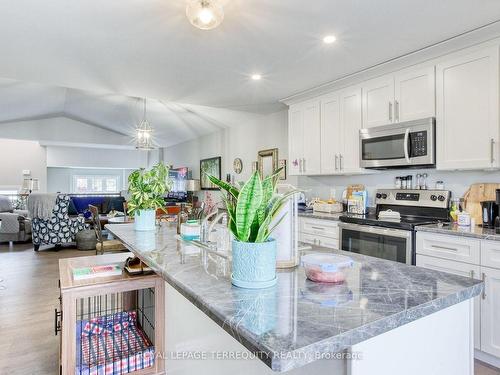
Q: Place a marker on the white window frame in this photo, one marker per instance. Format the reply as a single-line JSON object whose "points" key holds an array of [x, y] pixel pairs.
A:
{"points": [[90, 178]]}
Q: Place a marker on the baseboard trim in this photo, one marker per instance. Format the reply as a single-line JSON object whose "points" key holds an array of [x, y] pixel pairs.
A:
{"points": [[487, 358]]}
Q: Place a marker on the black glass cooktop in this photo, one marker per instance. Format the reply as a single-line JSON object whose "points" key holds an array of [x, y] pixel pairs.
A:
{"points": [[406, 222]]}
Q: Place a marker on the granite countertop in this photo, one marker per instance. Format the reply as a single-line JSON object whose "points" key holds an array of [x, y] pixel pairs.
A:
{"points": [[290, 323], [320, 215], [453, 229]]}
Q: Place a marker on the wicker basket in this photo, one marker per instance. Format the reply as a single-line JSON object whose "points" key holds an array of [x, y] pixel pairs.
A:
{"points": [[86, 240]]}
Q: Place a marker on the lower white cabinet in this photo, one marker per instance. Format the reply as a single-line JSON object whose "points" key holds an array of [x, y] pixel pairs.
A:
{"points": [[490, 312], [461, 269], [319, 232], [475, 258]]}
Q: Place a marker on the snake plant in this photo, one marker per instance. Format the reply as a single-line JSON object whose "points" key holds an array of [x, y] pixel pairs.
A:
{"points": [[253, 210], [147, 188]]}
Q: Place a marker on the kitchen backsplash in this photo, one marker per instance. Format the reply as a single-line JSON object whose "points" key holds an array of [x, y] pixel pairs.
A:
{"points": [[456, 181]]}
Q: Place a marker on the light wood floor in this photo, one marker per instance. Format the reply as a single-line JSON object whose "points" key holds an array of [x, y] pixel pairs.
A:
{"points": [[28, 345]]}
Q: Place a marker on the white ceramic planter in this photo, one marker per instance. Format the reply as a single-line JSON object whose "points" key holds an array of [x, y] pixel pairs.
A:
{"points": [[145, 220]]}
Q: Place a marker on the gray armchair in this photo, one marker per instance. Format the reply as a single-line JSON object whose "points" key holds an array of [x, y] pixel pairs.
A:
{"points": [[14, 224]]}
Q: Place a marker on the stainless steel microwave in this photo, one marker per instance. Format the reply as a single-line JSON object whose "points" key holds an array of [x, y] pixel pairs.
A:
{"points": [[407, 144]]}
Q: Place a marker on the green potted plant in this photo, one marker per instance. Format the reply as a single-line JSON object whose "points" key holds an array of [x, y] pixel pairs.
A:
{"points": [[253, 214], [147, 189]]}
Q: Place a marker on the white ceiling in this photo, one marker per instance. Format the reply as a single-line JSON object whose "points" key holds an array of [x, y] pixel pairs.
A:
{"points": [[148, 48]]}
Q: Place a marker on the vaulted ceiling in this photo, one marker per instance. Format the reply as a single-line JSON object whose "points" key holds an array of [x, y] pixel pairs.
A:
{"points": [[148, 48]]}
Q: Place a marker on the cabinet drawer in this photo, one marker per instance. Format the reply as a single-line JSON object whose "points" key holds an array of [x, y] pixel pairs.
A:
{"points": [[458, 248], [490, 254], [326, 228], [332, 243], [461, 269]]}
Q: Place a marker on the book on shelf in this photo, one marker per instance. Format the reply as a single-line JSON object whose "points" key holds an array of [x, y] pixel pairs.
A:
{"points": [[107, 270]]}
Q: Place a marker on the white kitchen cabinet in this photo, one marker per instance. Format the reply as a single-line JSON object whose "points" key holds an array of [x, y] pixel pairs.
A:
{"points": [[341, 120], [414, 94], [490, 312], [378, 98], [450, 247], [461, 269], [467, 100], [304, 138], [490, 254], [319, 232], [295, 140], [330, 134], [312, 139], [406, 95], [351, 123]]}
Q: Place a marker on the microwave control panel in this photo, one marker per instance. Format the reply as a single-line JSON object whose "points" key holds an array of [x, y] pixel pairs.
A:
{"points": [[418, 143]]}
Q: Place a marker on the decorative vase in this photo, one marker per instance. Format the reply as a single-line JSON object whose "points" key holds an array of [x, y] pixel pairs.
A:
{"points": [[145, 220], [254, 264]]}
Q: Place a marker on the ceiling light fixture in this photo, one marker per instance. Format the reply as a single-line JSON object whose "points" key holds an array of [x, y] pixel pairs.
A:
{"points": [[204, 14], [329, 39], [256, 77], [144, 140]]}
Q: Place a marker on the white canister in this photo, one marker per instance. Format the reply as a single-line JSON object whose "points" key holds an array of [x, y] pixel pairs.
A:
{"points": [[463, 219]]}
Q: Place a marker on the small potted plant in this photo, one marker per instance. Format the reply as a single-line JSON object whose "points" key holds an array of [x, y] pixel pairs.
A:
{"points": [[147, 189], [253, 213]]}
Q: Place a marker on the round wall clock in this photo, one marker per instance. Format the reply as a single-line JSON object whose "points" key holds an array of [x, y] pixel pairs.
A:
{"points": [[237, 165]]}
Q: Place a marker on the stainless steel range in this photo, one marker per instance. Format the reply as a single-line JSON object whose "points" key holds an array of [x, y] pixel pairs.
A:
{"points": [[393, 239]]}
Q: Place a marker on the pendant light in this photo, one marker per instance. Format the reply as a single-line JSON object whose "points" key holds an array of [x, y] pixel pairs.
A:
{"points": [[144, 133], [204, 14]]}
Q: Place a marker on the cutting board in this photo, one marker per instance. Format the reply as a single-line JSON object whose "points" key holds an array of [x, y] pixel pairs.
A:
{"points": [[476, 194]]}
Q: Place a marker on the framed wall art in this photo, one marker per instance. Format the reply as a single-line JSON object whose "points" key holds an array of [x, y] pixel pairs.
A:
{"points": [[210, 166]]}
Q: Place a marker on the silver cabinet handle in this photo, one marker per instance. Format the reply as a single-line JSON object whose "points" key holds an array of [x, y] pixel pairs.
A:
{"points": [[340, 161], [318, 228], [336, 161], [443, 247], [492, 150], [303, 164], [471, 273], [396, 110], [390, 111], [483, 278], [300, 165]]}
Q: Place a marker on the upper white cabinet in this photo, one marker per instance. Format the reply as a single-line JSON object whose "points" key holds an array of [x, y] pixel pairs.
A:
{"points": [[378, 101], [414, 94], [340, 125], [304, 138], [351, 121], [467, 110], [403, 96]]}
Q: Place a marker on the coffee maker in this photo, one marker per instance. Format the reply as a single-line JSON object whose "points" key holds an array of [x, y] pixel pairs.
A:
{"points": [[490, 211]]}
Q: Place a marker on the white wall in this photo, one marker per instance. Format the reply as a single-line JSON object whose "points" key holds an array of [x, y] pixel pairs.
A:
{"points": [[83, 157], [456, 181], [17, 155], [244, 140], [61, 179], [61, 129]]}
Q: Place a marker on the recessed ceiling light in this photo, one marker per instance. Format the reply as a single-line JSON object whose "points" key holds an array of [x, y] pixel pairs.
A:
{"points": [[329, 39], [256, 77]]}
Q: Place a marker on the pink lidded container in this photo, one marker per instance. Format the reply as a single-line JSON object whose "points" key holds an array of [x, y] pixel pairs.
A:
{"points": [[326, 268]]}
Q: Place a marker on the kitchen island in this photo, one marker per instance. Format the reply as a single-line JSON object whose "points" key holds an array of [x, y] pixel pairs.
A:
{"points": [[387, 318]]}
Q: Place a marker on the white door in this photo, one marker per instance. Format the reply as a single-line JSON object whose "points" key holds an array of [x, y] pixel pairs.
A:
{"points": [[312, 139], [330, 134], [490, 312], [467, 101], [295, 140], [378, 101], [414, 94], [351, 121], [461, 269]]}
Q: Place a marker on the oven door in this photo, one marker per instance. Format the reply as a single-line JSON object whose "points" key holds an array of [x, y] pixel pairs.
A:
{"points": [[379, 242]]}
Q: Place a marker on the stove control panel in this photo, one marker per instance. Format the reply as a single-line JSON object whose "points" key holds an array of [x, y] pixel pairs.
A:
{"points": [[422, 198]]}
